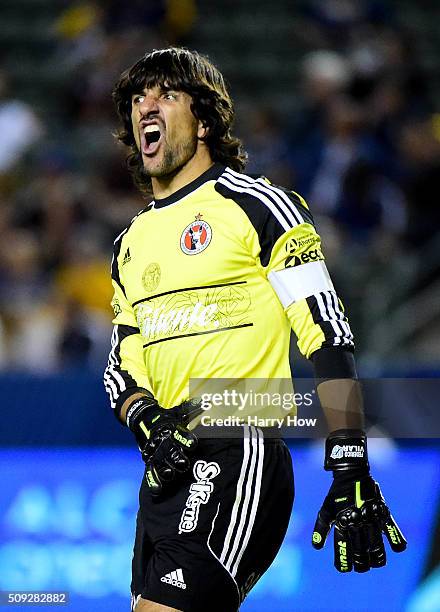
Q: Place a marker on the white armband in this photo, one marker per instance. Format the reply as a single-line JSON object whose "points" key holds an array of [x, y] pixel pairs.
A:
{"points": [[299, 282]]}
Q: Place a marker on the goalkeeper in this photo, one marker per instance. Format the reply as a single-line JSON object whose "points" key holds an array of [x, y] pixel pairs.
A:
{"points": [[209, 280]]}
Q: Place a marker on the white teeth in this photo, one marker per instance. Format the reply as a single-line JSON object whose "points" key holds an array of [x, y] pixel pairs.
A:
{"points": [[151, 128]]}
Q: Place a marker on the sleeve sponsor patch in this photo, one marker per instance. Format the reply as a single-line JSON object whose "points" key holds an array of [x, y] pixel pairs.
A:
{"points": [[303, 249]]}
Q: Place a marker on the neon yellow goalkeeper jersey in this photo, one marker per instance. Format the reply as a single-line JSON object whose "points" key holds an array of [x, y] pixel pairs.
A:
{"points": [[209, 283]]}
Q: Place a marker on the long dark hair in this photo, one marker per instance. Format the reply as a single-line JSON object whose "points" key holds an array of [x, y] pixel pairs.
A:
{"points": [[193, 73]]}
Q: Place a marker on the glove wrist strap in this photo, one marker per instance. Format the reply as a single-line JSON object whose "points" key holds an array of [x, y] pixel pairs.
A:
{"points": [[346, 449], [141, 409]]}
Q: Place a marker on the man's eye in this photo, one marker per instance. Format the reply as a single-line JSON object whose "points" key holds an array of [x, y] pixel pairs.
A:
{"points": [[169, 96], [138, 99]]}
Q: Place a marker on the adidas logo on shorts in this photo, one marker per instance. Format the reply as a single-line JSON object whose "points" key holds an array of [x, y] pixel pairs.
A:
{"points": [[175, 579]]}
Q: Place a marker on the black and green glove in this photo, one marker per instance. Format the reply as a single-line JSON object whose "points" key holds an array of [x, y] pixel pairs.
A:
{"points": [[163, 440], [355, 507]]}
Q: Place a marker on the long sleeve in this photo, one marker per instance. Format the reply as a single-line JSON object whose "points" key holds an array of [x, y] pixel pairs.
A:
{"points": [[286, 244], [298, 274], [125, 372]]}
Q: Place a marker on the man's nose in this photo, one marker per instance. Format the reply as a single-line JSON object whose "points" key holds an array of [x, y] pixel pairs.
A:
{"points": [[149, 106]]}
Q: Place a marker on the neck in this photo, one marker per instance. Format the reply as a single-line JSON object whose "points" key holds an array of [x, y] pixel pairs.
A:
{"points": [[165, 186]]}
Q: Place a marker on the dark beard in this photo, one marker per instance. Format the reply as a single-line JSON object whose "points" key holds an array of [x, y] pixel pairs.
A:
{"points": [[174, 159]]}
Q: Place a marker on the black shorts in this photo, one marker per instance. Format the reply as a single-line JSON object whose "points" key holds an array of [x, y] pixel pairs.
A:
{"points": [[205, 543]]}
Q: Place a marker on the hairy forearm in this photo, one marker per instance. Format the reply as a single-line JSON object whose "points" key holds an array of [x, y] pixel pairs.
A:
{"points": [[341, 401]]}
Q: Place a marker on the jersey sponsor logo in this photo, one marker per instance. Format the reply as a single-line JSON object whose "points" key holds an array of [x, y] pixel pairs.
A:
{"points": [[308, 256], [196, 236], [298, 260], [151, 277], [193, 311], [347, 450], [303, 250], [199, 493], [293, 244], [175, 579], [154, 322]]}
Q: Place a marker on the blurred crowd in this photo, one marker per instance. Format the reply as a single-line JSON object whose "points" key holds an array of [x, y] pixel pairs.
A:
{"points": [[362, 146]]}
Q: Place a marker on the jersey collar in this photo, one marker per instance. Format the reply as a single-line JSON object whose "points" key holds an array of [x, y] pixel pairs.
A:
{"points": [[209, 175]]}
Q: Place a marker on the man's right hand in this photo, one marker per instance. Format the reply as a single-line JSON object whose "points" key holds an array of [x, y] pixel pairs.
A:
{"points": [[162, 439]]}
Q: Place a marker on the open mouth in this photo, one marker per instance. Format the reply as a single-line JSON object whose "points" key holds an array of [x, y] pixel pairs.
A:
{"points": [[150, 139]]}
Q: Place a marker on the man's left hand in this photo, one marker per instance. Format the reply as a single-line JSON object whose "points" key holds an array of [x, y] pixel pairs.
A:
{"points": [[355, 508]]}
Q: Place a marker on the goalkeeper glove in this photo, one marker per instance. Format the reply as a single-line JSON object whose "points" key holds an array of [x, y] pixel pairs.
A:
{"points": [[162, 439], [355, 507]]}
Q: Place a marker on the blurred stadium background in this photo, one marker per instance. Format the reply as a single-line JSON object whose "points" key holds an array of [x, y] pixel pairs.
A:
{"points": [[338, 99]]}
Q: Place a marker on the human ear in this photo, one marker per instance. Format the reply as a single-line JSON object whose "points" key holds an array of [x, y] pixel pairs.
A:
{"points": [[202, 130]]}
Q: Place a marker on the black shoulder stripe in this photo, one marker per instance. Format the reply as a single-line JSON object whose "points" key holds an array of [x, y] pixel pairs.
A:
{"points": [[115, 267], [273, 198], [305, 212], [117, 249], [272, 210], [268, 228]]}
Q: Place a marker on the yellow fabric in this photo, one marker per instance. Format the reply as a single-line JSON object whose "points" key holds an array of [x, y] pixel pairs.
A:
{"points": [[130, 349], [299, 246], [212, 314], [257, 346]]}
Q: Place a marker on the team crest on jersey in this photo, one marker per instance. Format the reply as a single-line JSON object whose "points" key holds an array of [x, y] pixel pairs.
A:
{"points": [[151, 277], [196, 236]]}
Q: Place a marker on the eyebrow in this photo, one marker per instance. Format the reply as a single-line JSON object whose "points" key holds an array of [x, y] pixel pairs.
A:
{"points": [[162, 89]]}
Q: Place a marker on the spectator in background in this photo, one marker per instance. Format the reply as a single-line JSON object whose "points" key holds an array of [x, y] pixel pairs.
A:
{"points": [[28, 326], [20, 128], [80, 33], [347, 168], [419, 146], [333, 22], [324, 75], [268, 146]]}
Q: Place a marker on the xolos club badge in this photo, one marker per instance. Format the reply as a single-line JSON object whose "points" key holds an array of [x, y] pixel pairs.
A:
{"points": [[196, 236]]}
